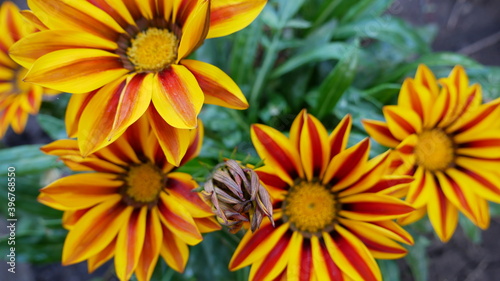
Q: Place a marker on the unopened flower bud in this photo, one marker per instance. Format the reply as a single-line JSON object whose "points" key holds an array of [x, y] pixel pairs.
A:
{"points": [[237, 196]]}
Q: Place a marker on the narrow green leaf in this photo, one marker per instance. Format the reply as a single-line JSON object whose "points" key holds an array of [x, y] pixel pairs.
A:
{"points": [[318, 54], [337, 82], [417, 258], [54, 127], [389, 269], [26, 159], [383, 92]]}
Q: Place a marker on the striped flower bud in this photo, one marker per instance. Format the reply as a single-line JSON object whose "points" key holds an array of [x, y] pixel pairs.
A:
{"points": [[237, 196]]}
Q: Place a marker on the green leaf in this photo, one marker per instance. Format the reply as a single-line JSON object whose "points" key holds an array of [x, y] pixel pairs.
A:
{"points": [[383, 92], [470, 229], [417, 258], [337, 82], [26, 159], [389, 269], [388, 29], [433, 59], [318, 54], [54, 127]]}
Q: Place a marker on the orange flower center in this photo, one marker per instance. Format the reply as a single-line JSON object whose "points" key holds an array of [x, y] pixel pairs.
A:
{"points": [[434, 150], [153, 50], [143, 184], [310, 207]]}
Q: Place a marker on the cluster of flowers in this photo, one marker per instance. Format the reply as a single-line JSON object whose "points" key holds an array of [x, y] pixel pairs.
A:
{"points": [[134, 113]]}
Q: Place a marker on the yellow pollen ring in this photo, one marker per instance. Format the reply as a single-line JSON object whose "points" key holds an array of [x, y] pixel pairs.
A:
{"points": [[153, 50], [144, 183], [310, 207], [434, 150]]}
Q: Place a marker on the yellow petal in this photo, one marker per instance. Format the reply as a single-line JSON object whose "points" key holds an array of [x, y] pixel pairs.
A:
{"points": [[76, 70], [228, 16]]}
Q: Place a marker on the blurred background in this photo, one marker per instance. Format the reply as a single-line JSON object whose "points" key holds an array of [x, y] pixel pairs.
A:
{"points": [[467, 27]]}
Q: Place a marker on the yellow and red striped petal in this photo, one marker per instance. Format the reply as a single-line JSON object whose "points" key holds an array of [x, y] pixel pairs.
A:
{"points": [[401, 121], [413, 216], [229, 16], [276, 260], [173, 141], [476, 121], [484, 144], [75, 15], [314, 147], [375, 239], [113, 109], [426, 78], [300, 263], [129, 244], [348, 166], [464, 199], [218, 87], [373, 207], [486, 183], [340, 136], [195, 29], [422, 188], [180, 186], [103, 256], [206, 225], [277, 151], [380, 132], [374, 168], [442, 214], [178, 220], [394, 231], [36, 45], [74, 110], [76, 70], [323, 263], [257, 245], [151, 249], [195, 143], [95, 230], [80, 191], [177, 97], [173, 250], [351, 255], [29, 16], [416, 98]]}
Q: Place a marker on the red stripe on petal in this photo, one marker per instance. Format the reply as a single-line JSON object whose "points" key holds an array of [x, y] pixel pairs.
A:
{"points": [[352, 160], [372, 245], [260, 235], [472, 123], [273, 257], [354, 258], [316, 147], [401, 122], [306, 265], [481, 143], [272, 180], [387, 183], [176, 220], [186, 191], [493, 188], [333, 270], [337, 141], [131, 241], [460, 195], [275, 150], [376, 208]]}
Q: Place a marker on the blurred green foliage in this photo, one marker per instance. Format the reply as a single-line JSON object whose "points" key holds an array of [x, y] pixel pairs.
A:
{"points": [[333, 57]]}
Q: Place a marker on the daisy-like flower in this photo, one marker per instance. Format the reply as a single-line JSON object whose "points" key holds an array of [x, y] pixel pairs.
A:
{"points": [[333, 208], [128, 58], [17, 99], [450, 142], [130, 204]]}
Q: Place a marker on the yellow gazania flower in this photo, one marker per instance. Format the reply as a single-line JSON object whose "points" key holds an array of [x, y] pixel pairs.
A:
{"points": [[449, 142], [332, 208], [130, 205], [17, 98], [130, 59]]}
